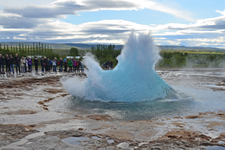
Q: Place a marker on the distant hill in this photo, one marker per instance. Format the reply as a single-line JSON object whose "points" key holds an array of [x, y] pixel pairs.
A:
{"points": [[88, 46], [81, 46], [184, 48]]}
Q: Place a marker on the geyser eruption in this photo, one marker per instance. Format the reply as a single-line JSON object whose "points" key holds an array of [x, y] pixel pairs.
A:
{"points": [[133, 80]]}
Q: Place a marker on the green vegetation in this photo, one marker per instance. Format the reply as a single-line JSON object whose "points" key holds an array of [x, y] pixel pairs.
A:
{"points": [[36, 49], [106, 52], [74, 51], [172, 56], [52, 45], [171, 59]]}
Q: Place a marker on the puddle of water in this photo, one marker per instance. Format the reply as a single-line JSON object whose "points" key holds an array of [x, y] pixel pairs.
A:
{"points": [[110, 141], [96, 138], [215, 148], [74, 140]]}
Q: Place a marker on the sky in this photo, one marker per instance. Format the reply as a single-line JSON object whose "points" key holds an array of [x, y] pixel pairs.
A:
{"points": [[171, 22]]}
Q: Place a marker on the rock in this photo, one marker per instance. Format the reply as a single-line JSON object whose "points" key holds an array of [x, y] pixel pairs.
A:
{"points": [[155, 148], [100, 117], [54, 91], [193, 117], [221, 142], [41, 103], [109, 148], [143, 143], [48, 100], [63, 95], [45, 108], [123, 145]]}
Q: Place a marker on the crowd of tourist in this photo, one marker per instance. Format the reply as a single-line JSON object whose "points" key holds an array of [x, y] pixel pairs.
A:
{"points": [[22, 65], [108, 65]]}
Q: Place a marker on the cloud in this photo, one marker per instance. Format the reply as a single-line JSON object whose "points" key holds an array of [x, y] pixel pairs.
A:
{"points": [[15, 21], [60, 8], [116, 31], [41, 23], [202, 24], [19, 3], [102, 31]]}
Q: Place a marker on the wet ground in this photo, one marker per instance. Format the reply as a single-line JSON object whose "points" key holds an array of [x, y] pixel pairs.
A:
{"points": [[36, 112]]}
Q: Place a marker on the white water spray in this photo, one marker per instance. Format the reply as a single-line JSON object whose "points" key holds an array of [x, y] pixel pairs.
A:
{"points": [[134, 78]]}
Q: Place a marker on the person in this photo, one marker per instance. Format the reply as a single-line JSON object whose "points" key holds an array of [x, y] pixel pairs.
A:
{"points": [[29, 60], [36, 64], [26, 64], [60, 65], [106, 64], [70, 63], [22, 64], [11, 64], [74, 64], [111, 64], [64, 60], [1, 64], [45, 62], [65, 66], [81, 67], [42, 65], [50, 64], [54, 63], [17, 62], [77, 66], [7, 63]]}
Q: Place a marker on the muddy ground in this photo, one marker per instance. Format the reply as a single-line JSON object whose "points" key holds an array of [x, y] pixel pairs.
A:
{"points": [[31, 117]]}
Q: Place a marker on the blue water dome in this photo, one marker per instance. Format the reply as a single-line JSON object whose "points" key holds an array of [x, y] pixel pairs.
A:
{"points": [[134, 79]]}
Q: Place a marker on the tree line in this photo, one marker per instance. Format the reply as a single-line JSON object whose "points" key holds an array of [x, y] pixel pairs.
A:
{"points": [[183, 59], [168, 59], [36, 49], [106, 52]]}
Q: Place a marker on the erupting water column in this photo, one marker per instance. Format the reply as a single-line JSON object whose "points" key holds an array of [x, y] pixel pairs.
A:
{"points": [[134, 78]]}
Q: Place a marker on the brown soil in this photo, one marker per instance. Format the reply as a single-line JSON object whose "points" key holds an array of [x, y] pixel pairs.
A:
{"points": [[20, 112], [54, 91], [27, 82], [100, 117], [195, 138], [13, 133], [193, 117]]}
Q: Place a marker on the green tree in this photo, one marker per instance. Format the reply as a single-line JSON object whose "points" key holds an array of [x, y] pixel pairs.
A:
{"points": [[42, 48], [19, 47], [28, 50], [16, 49], [74, 51], [45, 49], [37, 49], [22, 47]]}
